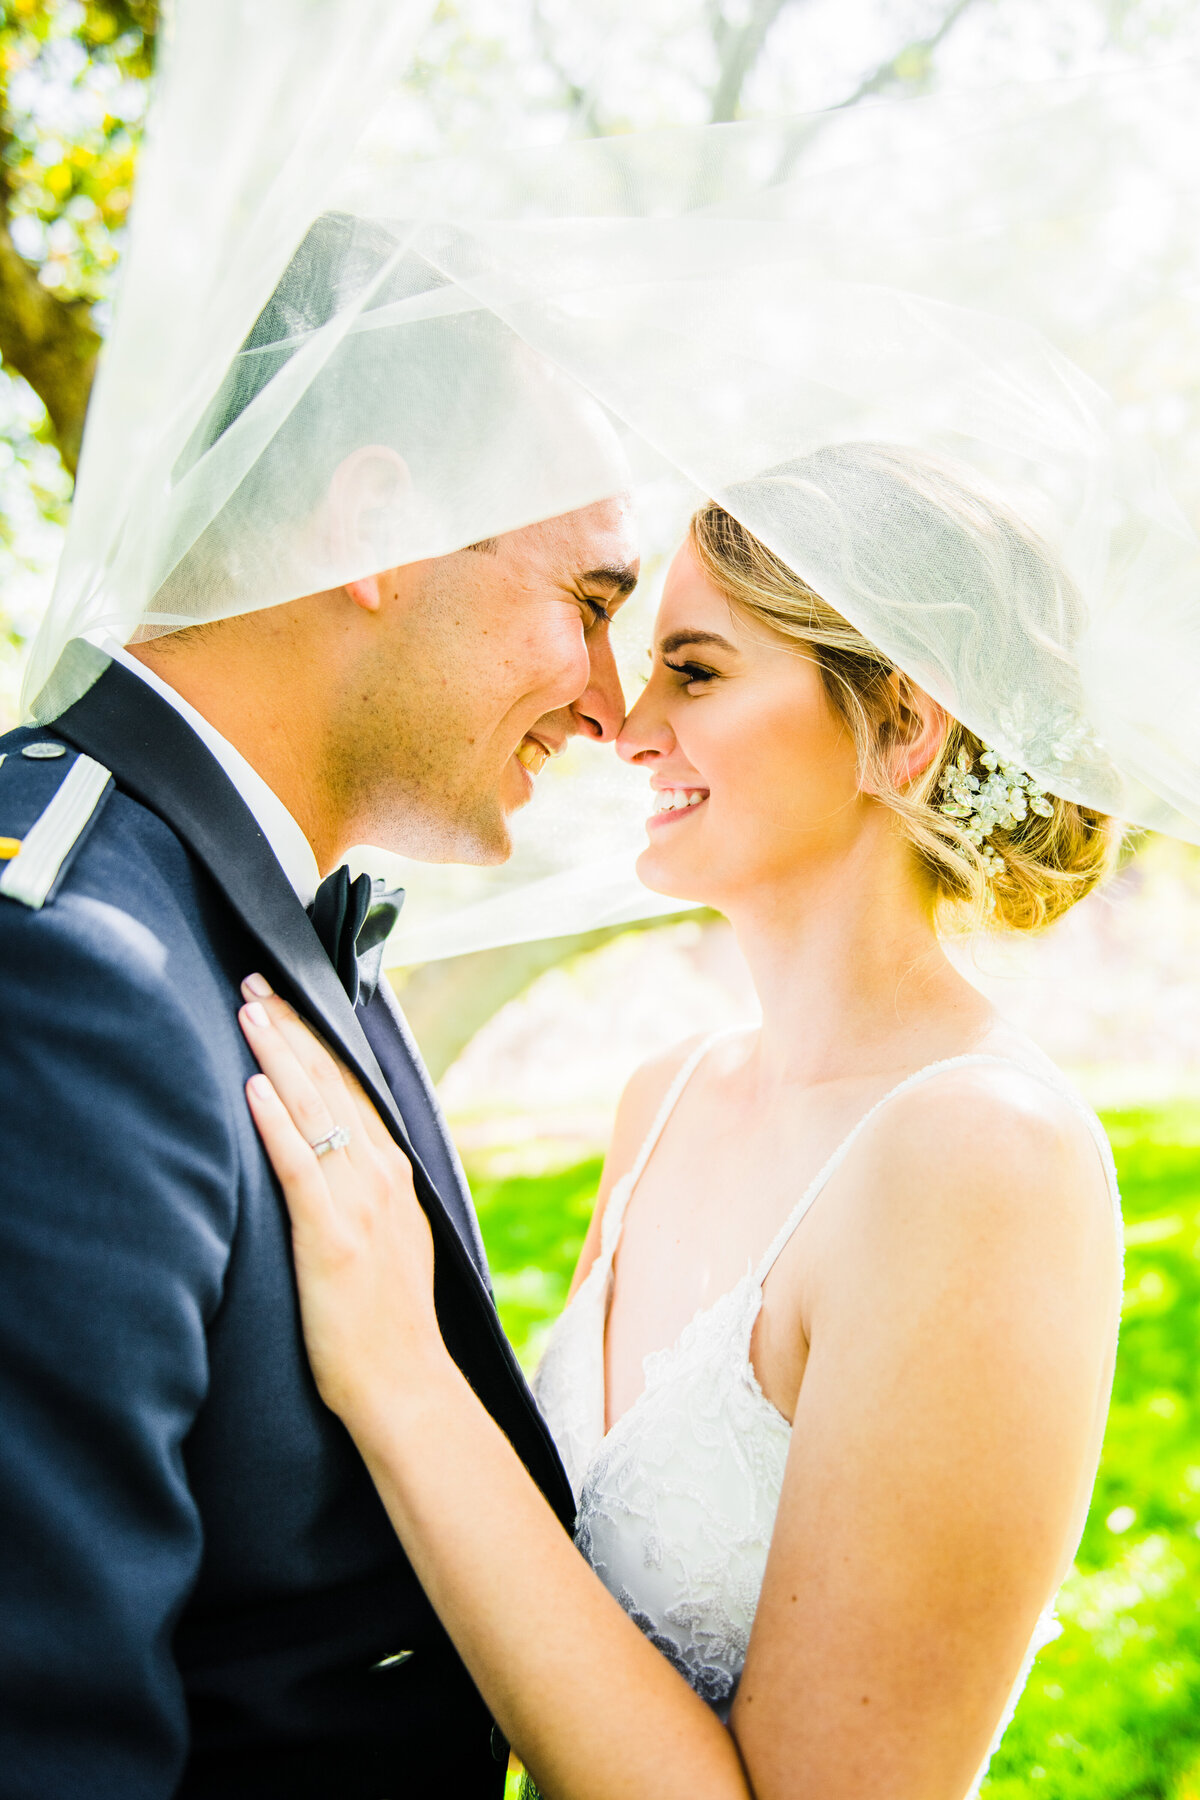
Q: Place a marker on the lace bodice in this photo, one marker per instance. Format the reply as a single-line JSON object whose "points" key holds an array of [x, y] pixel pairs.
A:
{"points": [[677, 1502]]}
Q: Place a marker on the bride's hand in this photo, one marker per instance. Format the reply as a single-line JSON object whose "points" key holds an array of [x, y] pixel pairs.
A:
{"points": [[363, 1249]]}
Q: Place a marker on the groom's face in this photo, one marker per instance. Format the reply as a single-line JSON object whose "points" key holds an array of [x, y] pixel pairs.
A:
{"points": [[487, 662]]}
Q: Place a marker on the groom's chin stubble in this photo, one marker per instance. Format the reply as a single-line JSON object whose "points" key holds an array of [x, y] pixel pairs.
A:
{"points": [[482, 846], [426, 831], [400, 797]]}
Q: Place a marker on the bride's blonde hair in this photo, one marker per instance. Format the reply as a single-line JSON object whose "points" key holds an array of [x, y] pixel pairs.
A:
{"points": [[1048, 863]]}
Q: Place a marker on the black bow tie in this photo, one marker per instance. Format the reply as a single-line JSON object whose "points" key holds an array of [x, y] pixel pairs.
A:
{"points": [[352, 920]]}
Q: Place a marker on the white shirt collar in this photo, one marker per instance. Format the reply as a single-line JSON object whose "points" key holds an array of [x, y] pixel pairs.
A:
{"points": [[292, 849]]}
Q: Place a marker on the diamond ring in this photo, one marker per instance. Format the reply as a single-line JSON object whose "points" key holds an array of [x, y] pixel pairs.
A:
{"points": [[337, 1139]]}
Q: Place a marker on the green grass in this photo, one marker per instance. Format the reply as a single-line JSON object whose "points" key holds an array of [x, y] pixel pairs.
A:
{"points": [[534, 1227], [1112, 1710]]}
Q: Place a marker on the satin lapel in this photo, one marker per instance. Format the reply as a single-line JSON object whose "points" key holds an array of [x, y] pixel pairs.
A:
{"points": [[387, 1032], [158, 759]]}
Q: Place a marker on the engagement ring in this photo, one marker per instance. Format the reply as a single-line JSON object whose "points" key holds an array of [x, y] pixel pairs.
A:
{"points": [[337, 1139]]}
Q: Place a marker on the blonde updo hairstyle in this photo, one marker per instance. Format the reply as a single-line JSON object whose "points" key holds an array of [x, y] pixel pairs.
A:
{"points": [[1048, 862]]}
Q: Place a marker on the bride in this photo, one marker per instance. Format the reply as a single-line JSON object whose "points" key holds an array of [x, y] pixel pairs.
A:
{"points": [[832, 1380]]}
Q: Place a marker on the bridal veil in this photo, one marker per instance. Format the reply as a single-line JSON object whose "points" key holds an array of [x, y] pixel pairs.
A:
{"points": [[790, 316]]}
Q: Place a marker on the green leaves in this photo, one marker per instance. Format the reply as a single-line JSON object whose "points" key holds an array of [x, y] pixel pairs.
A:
{"points": [[72, 102]]}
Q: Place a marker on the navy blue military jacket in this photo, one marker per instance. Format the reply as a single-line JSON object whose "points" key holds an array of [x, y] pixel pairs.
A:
{"points": [[200, 1593]]}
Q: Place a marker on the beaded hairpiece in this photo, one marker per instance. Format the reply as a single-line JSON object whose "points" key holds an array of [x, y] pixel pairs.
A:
{"points": [[1003, 798]]}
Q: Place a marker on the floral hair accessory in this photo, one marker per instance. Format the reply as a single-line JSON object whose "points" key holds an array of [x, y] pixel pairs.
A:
{"points": [[1003, 798]]}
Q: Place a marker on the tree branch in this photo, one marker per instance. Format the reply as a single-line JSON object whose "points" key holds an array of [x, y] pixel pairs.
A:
{"points": [[893, 69], [582, 101], [51, 342], [739, 51], [896, 68]]}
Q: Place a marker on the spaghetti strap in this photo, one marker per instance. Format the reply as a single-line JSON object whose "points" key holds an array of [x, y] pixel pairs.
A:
{"points": [[830, 1168], [614, 1218], [671, 1099]]}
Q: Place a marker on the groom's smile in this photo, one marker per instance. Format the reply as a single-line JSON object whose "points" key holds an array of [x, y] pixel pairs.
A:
{"points": [[514, 638], [532, 755], [535, 750]]}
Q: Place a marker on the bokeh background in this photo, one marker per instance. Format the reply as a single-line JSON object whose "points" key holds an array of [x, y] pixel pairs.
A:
{"points": [[532, 1045]]}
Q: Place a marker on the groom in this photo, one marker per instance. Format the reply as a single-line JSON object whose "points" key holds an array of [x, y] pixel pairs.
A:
{"points": [[202, 1595]]}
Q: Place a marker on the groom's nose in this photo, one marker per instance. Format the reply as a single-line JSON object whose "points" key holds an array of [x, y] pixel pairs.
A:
{"points": [[599, 711]]}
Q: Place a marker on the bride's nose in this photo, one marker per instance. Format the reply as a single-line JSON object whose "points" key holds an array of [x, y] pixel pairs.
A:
{"points": [[645, 735]]}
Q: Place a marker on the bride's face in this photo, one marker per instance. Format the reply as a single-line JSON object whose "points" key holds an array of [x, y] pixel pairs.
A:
{"points": [[753, 771]]}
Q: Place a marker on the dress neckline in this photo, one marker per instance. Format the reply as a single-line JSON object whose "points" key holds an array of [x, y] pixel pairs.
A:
{"points": [[755, 1277]]}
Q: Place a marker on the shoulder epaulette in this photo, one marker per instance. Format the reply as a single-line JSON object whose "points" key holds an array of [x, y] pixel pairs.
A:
{"points": [[31, 865]]}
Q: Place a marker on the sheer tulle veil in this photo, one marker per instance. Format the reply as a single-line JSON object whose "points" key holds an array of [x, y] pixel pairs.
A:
{"points": [[828, 323]]}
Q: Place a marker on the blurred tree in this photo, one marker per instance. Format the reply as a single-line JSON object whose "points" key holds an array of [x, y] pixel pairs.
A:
{"points": [[66, 176], [72, 80], [446, 1003], [73, 77]]}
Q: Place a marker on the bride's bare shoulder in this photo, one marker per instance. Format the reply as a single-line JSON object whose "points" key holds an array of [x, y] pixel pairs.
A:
{"points": [[1007, 1107], [991, 1141]]}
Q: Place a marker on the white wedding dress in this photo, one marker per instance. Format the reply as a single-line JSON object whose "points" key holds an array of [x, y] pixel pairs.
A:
{"points": [[676, 1504]]}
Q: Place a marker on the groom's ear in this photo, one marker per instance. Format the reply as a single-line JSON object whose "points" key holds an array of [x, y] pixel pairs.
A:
{"points": [[367, 491]]}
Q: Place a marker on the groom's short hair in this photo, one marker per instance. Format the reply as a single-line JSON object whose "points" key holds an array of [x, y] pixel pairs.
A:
{"points": [[338, 259], [366, 342], [386, 373], [358, 271]]}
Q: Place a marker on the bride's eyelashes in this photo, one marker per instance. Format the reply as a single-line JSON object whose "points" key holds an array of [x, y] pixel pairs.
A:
{"points": [[692, 674]]}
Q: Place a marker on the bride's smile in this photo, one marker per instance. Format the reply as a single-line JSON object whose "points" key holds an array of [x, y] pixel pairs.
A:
{"points": [[753, 777], [671, 803]]}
